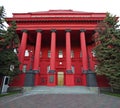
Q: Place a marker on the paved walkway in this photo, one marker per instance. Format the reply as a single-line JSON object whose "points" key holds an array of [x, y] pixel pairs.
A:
{"points": [[60, 101]]}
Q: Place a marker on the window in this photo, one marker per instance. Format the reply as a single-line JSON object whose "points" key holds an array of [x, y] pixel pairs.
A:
{"points": [[40, 54], [49, 54], [80, 54], [60, 63], [26, 53], [11, 67], [93, 53], [72, 54], [24, 68], [60, 54], [15, 50], [95, 68], [48, 69], [73, 69]]}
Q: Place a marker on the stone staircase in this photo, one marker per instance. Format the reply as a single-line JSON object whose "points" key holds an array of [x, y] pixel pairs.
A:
{"points": [[61, 90]]}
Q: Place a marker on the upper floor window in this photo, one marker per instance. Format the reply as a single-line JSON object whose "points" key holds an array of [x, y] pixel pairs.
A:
{"points": [[11, 67], [93, 53], [95, 68], [72, 54], [40, 54], [48, 69], [80, 54], [24, 69], [73, 69], [15, 50], [49, 54], [26, 53], [60, 54]]}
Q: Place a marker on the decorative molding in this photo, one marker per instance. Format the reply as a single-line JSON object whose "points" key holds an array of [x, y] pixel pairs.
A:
{"points": [[51, 71], [69, 72], [36, 71], [85, 71]]}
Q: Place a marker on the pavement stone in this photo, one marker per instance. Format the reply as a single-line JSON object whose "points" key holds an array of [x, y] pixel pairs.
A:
{"points": [[60, 101]]}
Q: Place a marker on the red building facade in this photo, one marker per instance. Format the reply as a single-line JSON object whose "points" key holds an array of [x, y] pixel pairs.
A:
{"points": [[56, 48]]}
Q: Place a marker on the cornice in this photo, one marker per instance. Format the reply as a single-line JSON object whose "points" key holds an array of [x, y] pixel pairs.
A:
{"points": [[54, 19]]}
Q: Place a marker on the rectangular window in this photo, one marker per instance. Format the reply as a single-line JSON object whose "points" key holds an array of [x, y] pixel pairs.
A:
{"points": [[73, 69], [80, 54], [95, 68], [49, 54], [93, 53], [60, 54], [15, 50], [26, 53], [48, 69], [24, 68], [40, 54], [72, 54]]}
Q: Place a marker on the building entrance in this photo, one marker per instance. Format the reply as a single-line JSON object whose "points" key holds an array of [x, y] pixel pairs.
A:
{"points": [[60, 78]]}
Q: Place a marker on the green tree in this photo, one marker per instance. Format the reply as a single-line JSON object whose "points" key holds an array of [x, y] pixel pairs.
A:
{"points": [[107, 50], [9, 64]]}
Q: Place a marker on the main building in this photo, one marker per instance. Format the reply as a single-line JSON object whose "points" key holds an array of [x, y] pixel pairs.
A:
{"points": [[56, 48]]}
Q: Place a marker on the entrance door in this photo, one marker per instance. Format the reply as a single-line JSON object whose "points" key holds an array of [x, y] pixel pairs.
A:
{"points": [[60, 78]]}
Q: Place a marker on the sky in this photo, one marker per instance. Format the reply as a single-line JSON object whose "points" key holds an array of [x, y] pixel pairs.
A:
{"points": [[24, 6]]}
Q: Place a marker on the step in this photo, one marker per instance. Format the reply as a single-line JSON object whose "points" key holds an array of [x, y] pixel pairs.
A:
{"points": [[62, 90]]}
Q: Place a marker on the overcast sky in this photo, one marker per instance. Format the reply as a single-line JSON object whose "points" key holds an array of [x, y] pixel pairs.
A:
{"points": [[20, 6]]}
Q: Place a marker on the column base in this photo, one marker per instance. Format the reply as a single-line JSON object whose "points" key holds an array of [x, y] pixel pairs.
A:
{"points": [[91, 79], [29, 78]]}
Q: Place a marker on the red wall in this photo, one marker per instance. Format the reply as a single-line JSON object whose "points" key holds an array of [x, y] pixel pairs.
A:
{"points": [[18, 80], [45, 61]]}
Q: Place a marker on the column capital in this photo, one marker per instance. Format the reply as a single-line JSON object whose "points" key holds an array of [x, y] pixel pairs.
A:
{"points": [[53, 30], [24, 30], [68, 30], [38, 30], [82, 30]]}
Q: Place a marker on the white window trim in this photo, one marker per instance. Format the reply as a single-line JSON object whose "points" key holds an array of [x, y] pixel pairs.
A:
{"points": [[60, 54], [26, 53]]}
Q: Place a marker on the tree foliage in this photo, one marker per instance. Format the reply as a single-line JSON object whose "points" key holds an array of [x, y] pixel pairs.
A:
{"points": [[9, 64], [107, 50]]}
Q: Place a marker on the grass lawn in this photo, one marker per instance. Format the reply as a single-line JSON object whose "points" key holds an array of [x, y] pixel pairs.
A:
{"points": [[9, 93], [112, 94]]}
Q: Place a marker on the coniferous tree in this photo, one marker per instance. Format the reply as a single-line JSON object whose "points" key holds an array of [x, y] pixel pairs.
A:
{"points": [[107, 50], [9, 64]]}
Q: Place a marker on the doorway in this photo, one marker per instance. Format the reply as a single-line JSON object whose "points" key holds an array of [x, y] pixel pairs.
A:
{"points": [[60, 78]]}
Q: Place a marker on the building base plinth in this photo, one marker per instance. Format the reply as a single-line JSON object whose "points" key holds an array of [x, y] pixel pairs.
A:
{"points": [[69, 80], [29, 78], [36, 83], [91, 79]]}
